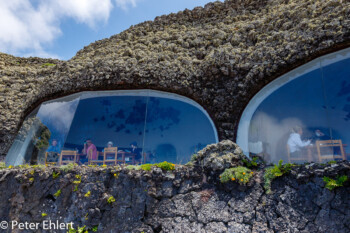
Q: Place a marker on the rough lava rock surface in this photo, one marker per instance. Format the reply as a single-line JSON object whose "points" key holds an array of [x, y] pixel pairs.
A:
{"points": [[178, 201], [219, 55]]}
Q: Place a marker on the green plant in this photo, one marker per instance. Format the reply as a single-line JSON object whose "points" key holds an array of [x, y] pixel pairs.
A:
{"points": [[31, 179], [251, 163], [39, 166], [87, 194], [76, 182], [110, 200], [133, 167], [43, 215], [23, 166], [68, 167], [332, 184], [58, 193], [240, 174], [116, 175], [194, 157], [146, 167], [79, 229], [332, 162], [94, 228], [166, 166], [272, 173], [47, 64], [55, 175], [2, 165]]}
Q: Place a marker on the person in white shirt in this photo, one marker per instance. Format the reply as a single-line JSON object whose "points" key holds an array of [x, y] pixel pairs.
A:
{"points": [[295, 143]]}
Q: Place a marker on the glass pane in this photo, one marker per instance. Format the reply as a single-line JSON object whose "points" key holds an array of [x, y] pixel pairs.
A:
{"points": [[23, 143], [116, 119], [283, 125], [175, 130], [337, 88], [49, 123], [89, 122]]}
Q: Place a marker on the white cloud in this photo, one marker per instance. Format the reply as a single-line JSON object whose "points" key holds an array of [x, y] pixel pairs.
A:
{"points": [[26, 27], [124, 3]]}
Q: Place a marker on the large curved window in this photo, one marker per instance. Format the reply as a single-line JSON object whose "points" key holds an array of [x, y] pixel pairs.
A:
{"points": [[143, 126], [302, 116]]}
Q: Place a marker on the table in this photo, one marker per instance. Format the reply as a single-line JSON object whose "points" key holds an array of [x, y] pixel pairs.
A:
{"points": [[129, 155]]}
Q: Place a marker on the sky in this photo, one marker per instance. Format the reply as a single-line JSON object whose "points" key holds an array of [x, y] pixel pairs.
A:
{"points": [[60, 28]]}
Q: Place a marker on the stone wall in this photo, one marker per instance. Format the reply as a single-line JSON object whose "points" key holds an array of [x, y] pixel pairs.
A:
{"points": [[219, 56], [188, 199]]}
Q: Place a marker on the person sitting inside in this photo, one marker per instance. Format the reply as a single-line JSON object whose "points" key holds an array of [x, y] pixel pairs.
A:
{"points": [[53, 151], [295, 143], [320, 136], [109, 145], [135, 150], [54, 147], [89, 149]]}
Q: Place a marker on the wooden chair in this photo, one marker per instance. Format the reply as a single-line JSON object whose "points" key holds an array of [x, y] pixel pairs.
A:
{"points": [[330, 144], [53, 163], [97, 161], [71, 154], [108, 151], [291, 159]]}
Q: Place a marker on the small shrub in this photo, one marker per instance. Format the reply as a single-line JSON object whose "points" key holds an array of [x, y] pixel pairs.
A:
{"points": [[31, 179], [32, 172], [332, 184], [94, 228], [274, 172], [146, 167], [75, 188], [43, 215], [166, 166], [251, 163], [110, 200], [88, 194], [58, 193], [332, 162], [55, 175], [240, 174]]}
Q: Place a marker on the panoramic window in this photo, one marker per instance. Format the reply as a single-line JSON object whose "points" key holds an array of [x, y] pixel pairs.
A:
{"points": [[113, 127], [302, 116]]}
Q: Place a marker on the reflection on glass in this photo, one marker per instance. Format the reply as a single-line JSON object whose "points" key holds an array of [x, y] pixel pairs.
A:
{"points": [[305, 117], [337, 89], [48, 123], [175, 130], [133, 127]]}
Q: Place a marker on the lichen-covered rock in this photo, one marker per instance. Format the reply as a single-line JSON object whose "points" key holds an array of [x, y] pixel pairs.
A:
{"points": [[174, 201], [219, 55], [218, 157]]}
